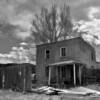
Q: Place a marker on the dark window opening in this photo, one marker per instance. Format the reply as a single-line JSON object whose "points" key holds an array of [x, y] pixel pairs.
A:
{"points": [[47, 71], [92, 56], [63, 52], [63, 72], [47, 54], [92, 67]]}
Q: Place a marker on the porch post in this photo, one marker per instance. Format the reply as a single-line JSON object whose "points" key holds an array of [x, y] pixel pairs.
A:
{"points": [[3, 79], [57, 74], [80, 74], [49, 78], [24, 81], [74, 73], [60, 76]]}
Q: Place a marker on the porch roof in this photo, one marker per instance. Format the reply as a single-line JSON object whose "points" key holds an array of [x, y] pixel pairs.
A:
{"points": [[65, 62]]}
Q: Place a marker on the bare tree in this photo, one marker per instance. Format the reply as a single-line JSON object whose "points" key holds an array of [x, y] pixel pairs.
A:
{"points": [[52, 25]]}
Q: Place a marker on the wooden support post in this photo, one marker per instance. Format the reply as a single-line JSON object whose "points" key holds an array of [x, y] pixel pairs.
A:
{"points": [[80, 74], [74, 73], [60, 74], [57, 74], [49, 78], [24, 85], [3, 79]]}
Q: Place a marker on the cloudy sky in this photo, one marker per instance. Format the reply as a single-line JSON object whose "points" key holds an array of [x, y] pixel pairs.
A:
{"points": [[16, 17]]}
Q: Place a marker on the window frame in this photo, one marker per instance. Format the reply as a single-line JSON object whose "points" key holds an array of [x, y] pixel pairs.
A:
{"points": [[61, 52]]}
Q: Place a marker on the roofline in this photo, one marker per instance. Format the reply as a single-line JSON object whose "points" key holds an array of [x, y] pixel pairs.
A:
{"points": [[66, 63], [57, 41], [67, 40], [16, 64]]}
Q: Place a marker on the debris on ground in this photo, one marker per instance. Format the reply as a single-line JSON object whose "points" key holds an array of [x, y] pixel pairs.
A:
{"points": [[46, 90], [80, 91]]}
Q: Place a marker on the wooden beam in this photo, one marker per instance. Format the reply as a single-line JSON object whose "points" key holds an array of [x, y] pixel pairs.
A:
{"points": [[49, 78], [74, 73]]}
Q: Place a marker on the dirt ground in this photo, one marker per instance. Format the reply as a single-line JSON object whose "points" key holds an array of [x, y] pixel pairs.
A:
{"points": [[10, 95]]}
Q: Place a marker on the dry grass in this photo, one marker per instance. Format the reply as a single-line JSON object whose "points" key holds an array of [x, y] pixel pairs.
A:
{"points": [[10, 95]]}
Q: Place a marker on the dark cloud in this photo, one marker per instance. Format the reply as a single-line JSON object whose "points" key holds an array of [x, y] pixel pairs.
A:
{"points": [[16, 7], [11, 9], [16, 15], [7, 28], [80, 12], [20, 11], [93, 3], [31, 5]]}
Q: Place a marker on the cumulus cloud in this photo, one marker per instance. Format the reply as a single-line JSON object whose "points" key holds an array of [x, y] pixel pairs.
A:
{"points": [[22, 35], [18, 55], [91, 26], [23, 43], [92, 29], [93, 12]]}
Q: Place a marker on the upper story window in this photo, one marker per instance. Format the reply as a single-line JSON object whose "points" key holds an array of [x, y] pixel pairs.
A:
{"points": [[47, 54], [63, 52]]}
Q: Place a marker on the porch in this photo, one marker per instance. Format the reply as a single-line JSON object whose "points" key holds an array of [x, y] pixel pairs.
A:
{"points": [[65, 74]]}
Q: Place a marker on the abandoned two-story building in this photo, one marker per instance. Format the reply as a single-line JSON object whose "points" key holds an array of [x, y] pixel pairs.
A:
{"points": [[64, 62]]}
